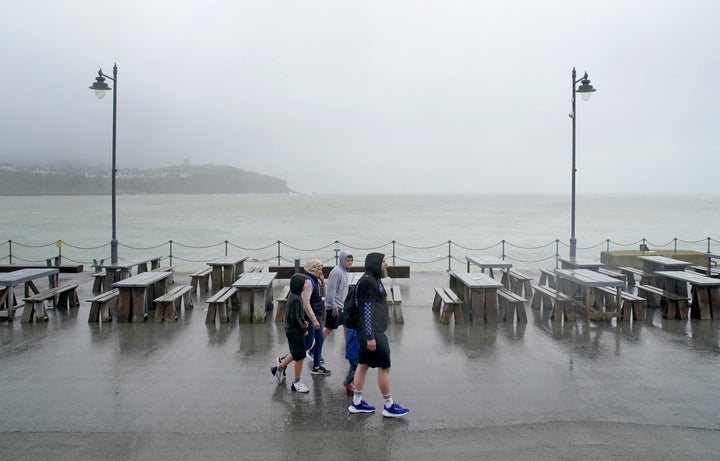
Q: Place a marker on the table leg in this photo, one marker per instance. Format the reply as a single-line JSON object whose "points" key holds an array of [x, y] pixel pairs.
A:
{"points": [[701, 300], [228, 275], [259, 307], [124, 303], [245, 299], [714, 295], [491, 305], [138, 312], [216, 278], [477, 305]]}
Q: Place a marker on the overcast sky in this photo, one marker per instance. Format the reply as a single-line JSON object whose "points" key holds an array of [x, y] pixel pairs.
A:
{"points": [[373, 96]]}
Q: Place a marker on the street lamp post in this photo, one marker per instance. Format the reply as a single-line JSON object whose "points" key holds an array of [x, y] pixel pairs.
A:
{"points": [[585, 90], [100, 88]]}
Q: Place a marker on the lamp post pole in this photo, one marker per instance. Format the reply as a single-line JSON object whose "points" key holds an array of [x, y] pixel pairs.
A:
{"points": [[100, 88], [585, 89]]}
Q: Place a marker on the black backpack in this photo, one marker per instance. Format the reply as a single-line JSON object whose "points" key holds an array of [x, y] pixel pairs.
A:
{"points": [[351, 310]]}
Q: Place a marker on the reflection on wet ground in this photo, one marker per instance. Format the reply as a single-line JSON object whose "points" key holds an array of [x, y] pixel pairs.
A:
{"points": [[188, 377]]}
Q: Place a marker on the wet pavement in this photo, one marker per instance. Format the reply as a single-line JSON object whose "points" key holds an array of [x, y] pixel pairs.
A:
{"points": [[542, 390]]}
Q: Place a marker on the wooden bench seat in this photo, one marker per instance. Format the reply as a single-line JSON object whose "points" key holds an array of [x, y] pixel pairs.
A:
{"points": [[281, 304], [547, 278], [218, 305], [100, 309], [561, 304], [511, 305], [450, 303], [631, 304], [64, 296], [714, 271], [98, 281], [170, 303], [634, 273], [201, 279], [171, 279], [675, 304], [394, 301], [517, 282], [614, 274]]}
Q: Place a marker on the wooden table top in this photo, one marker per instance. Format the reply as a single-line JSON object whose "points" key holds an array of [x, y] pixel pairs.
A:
{"points": [[488, 262], [142, 280], [476, 280], [255, 280], [129, 263], [24, 275], [693, 278], [580, 263], [664, 261], [588, 278], [227, 261]]}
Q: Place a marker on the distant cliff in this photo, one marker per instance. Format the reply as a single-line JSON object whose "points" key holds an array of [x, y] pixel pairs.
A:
{"points": [[186, 179]]}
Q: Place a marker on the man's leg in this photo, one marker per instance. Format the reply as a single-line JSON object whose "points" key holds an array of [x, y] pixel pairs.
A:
{"points": [[360, 373], [383, 380]]}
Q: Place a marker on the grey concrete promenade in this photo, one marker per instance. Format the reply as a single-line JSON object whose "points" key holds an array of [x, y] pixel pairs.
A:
{"points": [[73, 390]]}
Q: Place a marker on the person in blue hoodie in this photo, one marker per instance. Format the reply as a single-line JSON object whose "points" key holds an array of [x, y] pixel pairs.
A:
{"points": [[296, 329]]}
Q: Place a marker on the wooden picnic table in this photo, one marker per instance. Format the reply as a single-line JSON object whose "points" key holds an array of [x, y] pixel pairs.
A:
{"points": [[225, 270], [478, 291], [123, 269], [705, 292], [254, 291], [570, 280], [26, 277], [137, 293], [579, 263], [487, 262], [653, 264]]}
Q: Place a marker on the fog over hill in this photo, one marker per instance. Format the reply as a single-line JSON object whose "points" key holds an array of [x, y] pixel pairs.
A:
{"points": [[185, 179]]}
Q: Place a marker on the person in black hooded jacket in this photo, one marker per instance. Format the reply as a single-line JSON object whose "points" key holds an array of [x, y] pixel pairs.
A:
{"points": [[374, 345], [296, 328]]}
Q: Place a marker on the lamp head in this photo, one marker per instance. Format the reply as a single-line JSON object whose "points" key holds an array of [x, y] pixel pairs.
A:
{"points": [[100, 86], [585, 89]]}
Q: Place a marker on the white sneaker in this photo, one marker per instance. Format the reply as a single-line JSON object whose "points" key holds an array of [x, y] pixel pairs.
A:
{"points": [[299, 387]]}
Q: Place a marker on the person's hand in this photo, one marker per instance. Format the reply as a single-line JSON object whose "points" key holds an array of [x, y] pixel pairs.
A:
{"points": [[307, 324], [335, 313], [316, 325], [371, 346], [306, 332]]}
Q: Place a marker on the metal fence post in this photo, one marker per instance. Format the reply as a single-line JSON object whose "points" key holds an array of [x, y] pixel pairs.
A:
{"points": [[171, 253]]}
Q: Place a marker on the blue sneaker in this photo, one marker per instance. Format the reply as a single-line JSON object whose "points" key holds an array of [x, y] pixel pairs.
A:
{"points": [[395, 411], [361, 407]]}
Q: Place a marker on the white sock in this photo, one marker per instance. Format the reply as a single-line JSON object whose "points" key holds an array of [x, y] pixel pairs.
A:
{"points": [[388, 400], [357, 397]]}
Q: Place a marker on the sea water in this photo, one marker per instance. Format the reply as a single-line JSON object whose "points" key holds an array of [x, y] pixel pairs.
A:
{"points": [[427, 232]]}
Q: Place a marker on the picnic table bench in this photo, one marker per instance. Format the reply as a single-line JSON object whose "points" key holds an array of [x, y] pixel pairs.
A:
{"points": [[137, 293], [281, 303], [630, 304], [169, 304], [217, 305], [61, 296], [200, 280], [631, 273], [100, 307], [450, 303], [517, 282], [478, 291], [548, 278], [560, 304], [511, 305], [675, 305], [25, 277], [394, 300]]}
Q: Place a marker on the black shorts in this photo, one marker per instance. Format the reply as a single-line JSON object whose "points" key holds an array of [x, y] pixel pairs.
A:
{"points": [[332, 323], [297, 345], [380, 357]]}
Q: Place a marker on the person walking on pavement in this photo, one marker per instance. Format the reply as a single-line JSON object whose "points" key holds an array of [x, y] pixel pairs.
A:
{"points": [[296, 329], [337, 289], [312, 296], [374, 345]]}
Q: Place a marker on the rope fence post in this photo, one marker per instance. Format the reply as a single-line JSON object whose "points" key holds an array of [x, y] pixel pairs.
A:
{"points": [[393, 252], [557, 253], [226, 247], [449, 255], [503, 250], [675, 245], [10, 250], [278, 252], [171, 253]]}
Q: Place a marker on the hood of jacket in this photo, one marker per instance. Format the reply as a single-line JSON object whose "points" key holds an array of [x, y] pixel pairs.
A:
{"points": [[341, 259], [297, 281], [373, 264]]}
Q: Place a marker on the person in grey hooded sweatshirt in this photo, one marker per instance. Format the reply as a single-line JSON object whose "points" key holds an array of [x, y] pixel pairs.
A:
{"points": [[336, 288]]}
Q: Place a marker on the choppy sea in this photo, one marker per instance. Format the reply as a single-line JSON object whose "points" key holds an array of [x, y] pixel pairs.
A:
{"points": [[427, 232]]}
